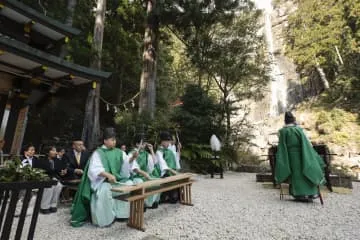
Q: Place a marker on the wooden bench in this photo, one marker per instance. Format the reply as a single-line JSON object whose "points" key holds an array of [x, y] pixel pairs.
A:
{"points": [[68, 185], [136, 195]]}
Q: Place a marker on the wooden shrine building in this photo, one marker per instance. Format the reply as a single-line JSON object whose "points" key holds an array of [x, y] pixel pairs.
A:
{"points": [[30, 69]]}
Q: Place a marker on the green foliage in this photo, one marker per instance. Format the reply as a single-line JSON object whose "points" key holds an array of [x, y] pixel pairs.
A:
{"points": [[226, 50], [15, 172], [246, 157], [198, 41], [336, 126], [315, 30], [340, 138], [198, 156], [197, 117], [328, 122], [130, 123]]}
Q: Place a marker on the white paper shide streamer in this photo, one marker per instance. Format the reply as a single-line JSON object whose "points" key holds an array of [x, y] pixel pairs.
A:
{"points": [[215, 143]]}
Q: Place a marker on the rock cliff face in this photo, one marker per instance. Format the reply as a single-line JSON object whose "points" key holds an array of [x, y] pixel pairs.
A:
{"points": [[284, 89], [266, 115]]}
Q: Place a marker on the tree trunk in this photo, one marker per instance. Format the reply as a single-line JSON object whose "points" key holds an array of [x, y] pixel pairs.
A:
{"points": [[120, 85], [228, 121], [91, 130], [148, 75], [322, 75], [226, 115], [68, 22]]}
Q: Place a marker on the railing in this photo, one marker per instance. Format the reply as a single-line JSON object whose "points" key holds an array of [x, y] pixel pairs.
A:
{"points": [[9, 197]]}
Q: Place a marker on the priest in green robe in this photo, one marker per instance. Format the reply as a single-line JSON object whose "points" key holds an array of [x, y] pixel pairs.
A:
{"points": [[143, 167], [108, 167], [168, 162], [298, 162]]}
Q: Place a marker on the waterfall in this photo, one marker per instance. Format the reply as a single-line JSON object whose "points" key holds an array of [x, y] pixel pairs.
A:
{"points": [[278, 84]]}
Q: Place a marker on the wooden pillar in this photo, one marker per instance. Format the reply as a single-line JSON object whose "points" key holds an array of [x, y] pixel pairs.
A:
{"points": [[3, 100], [5, 119], [19, 130], [15, 106]]}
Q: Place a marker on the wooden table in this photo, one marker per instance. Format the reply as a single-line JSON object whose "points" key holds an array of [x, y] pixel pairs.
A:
{"points": [[136, 195]]}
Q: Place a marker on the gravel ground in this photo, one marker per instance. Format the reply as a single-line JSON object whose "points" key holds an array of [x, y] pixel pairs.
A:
{"points": [[232, 208]]}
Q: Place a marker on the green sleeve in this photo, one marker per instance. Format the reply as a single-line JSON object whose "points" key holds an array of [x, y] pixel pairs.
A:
{"points": [[282, 166], [312, 163]]}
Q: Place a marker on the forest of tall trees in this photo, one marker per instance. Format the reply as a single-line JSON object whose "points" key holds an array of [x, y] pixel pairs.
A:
{"points": [[324, 37], [207, 55], [158, 52]]}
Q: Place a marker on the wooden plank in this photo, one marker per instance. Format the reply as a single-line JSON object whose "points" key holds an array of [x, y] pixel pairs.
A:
{"points": [[133, 198], [26, 185], [161, 181], [153, 183], [127, 188], [71, 182], [190, 201]]}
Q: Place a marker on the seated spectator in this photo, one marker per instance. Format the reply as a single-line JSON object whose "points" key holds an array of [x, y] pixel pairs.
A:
{"points": [[56, 169], [60, 153], [29, 156], [76, 160]]}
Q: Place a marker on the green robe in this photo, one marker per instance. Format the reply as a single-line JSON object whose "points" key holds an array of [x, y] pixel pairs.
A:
{"points": [[157, 171], [169, 158], [80, 209], [298, 162], [112, 161], [143, 162]]}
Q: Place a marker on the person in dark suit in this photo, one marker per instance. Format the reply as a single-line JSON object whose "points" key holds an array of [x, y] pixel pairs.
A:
{"points": [[60, 153], [28, 157], [76, 160], [56, 169], [52, 166]]}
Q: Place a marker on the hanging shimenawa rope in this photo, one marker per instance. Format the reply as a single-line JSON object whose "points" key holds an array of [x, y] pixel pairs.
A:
{"points": [[116, 105]]}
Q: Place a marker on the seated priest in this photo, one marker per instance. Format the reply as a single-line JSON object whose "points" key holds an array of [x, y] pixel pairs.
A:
{"points": [[168, 162], [143, 167], [108, 167], [298, 162]]}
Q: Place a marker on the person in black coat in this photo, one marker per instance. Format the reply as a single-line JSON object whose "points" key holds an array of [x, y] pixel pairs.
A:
{"points": [[76, 160], [60, 153], [29, 157], [56, 169]]}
